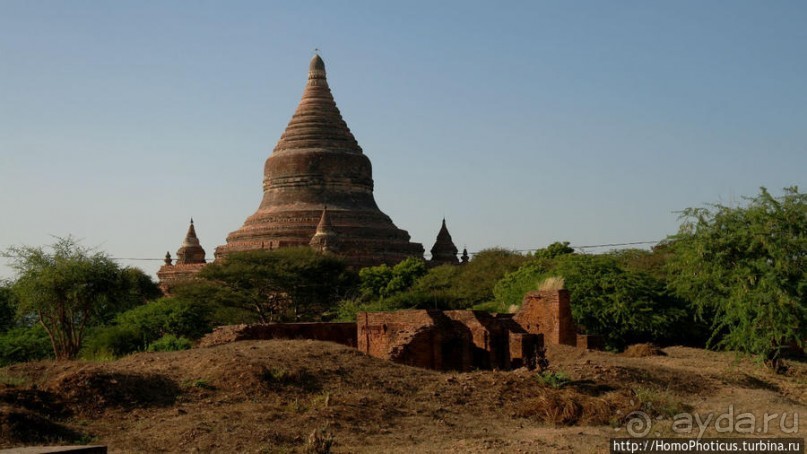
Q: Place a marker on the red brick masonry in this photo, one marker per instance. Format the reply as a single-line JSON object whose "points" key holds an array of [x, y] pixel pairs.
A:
{"points": [[441, 340]]}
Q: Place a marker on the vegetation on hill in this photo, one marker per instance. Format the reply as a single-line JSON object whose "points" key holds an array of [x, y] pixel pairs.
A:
{"points": [[283, 285], [67, 288], [744, 270], [736, 275]]}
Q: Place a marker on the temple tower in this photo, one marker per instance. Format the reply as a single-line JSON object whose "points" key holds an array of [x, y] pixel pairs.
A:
{"points": [[444, 252], [317, 162], [190, 260]]}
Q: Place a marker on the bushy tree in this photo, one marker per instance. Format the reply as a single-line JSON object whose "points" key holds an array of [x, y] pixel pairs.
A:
{"points": [[8, 308], [554, 250], [24, 343], [744, 268], [462, 287], [67, 288], [477, 278], [621, 305], [288, 284], [139, 328], [383, 281]]}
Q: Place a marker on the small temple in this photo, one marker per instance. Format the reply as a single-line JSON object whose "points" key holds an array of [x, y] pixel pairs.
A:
{"points": [[190, 260], [444, 252]]}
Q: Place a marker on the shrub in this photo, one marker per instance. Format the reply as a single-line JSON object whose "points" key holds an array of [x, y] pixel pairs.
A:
{"points": [[168, 316], [621, 305], [139, 328], [113, 341], [24, 344], [170, 343]]}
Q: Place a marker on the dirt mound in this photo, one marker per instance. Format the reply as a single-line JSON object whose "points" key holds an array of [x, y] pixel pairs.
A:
{"points": [[643, 350], [21, 426], [33, 400], [270, 396], [91, 390]]}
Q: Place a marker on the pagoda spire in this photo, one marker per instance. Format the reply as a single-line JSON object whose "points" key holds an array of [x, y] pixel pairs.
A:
{"points": [[317, 123]]}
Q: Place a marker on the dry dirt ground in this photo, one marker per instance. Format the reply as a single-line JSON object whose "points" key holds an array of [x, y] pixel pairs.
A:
{"points": [[272, 396]]}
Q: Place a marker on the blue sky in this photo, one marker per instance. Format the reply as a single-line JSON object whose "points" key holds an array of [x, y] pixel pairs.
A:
{"points": [[522, 123]]}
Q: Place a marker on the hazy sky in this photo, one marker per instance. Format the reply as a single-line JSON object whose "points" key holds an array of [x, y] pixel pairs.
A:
{"points": [[522, 123]]}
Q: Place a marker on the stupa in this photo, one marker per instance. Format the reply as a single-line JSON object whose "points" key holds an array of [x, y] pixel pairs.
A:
{"points": [[444, 252], [190, 260], [317, 163]]}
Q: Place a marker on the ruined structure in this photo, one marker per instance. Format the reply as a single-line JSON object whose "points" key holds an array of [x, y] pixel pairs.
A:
{"points": [[465, 340], [460, 340], [447, 340], [444, 252], [190, 260], [317, 163]]}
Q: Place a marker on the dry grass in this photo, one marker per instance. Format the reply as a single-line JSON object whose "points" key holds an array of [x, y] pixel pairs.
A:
{"points": [[643, 350], [552, 283]]}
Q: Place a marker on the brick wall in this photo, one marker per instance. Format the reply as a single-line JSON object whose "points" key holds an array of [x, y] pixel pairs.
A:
{"points": [[447, 340], [548, 312], [422, 338]]}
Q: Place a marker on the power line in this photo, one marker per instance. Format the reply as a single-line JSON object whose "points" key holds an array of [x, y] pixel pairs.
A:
{"points": [[591, 246]]}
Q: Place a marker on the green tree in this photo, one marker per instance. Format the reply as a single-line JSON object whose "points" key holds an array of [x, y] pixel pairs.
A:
{"points": [[137, 329], [383, 281], [24, 343], [555, 249], [460, 287], [8, 308], [622, 305], [288, 284], [744, 268], [67, 288]]}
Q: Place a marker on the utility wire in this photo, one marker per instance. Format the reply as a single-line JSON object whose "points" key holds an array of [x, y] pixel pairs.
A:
{"points": [[590, 246]]}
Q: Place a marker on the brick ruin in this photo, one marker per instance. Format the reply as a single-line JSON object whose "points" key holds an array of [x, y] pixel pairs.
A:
{"points": [[447, 340], [460, 340]]}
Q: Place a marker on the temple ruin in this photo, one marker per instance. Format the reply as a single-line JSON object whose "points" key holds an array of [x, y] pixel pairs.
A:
{"points": [[460, 340]]}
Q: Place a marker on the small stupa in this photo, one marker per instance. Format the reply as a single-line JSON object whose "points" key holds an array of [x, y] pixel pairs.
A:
{"points": [[444, 252], [190, 260]]}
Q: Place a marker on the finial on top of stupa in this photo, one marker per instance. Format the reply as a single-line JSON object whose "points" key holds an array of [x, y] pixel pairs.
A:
{"points": [[167, 260], [316, 69]]}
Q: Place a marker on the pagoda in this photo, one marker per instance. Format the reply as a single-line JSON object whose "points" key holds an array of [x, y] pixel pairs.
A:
{"points": [[190, 260], [317, 163], [444, 252]]}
